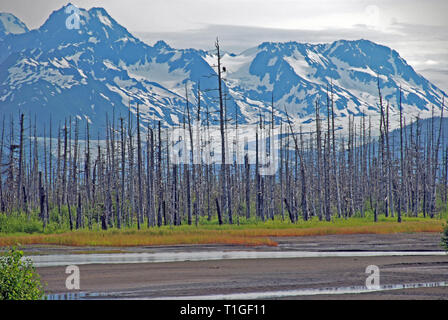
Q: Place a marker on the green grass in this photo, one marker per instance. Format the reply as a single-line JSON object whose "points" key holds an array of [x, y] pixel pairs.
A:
{"points": [[27, 229], [247, 232], [21, 223]]}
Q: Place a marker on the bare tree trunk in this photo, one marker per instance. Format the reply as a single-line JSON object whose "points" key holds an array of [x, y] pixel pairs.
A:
{"points": [[42, 214], [218, 210], [223, 144], [335, 158], [402, 188], [302, 170], [319, 161], [20, 206], [159, 177], [79, 213], [139, 172], [247, 179]]}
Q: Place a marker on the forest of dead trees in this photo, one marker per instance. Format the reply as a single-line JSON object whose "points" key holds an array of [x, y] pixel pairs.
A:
{"points": [[127, 180]]}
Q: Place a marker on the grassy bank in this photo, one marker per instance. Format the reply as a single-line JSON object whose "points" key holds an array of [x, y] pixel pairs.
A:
{"points": [[249, 233]]}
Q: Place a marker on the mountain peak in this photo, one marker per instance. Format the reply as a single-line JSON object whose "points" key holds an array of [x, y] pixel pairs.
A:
{"points": [[162, 45], [10, 24], [93, 25], [103, 16]]}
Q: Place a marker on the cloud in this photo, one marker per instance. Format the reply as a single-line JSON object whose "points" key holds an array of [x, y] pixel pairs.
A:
{"points": [[240, 38], [431, 62]]}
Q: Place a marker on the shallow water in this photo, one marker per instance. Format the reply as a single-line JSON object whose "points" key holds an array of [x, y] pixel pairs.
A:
{"points": [[248, 295], [308, 292], [120, 258]]}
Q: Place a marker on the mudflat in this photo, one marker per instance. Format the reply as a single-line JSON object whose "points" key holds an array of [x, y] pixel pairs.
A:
{"points": [[186, 279]]}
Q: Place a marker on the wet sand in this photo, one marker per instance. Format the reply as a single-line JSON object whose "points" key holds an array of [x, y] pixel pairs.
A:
{"points": [[198, 278]]}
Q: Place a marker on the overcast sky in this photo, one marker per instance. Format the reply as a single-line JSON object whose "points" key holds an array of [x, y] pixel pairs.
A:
{"points": [[417, 29]]}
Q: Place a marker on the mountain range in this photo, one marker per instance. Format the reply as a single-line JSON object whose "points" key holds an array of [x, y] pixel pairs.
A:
{"points": [[100, 69]]}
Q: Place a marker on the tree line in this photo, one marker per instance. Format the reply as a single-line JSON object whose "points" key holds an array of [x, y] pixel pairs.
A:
{"points": [[127, 178]]}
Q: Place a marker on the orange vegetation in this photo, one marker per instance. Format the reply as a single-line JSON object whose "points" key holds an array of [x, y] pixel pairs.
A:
{"points": [[239, 235], [84, 238]]}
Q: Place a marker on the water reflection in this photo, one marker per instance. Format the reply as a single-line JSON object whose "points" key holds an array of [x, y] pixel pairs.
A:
{"points": [[145, 257], [249, 295]]}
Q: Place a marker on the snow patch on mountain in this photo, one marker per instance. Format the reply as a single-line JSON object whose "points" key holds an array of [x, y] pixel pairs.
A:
{"points": [[10, 24]]}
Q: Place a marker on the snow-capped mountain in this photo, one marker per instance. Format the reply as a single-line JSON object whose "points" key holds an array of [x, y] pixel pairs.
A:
{"points": [[96, 70], [101, 68], [298, 74], [10, 24]]}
